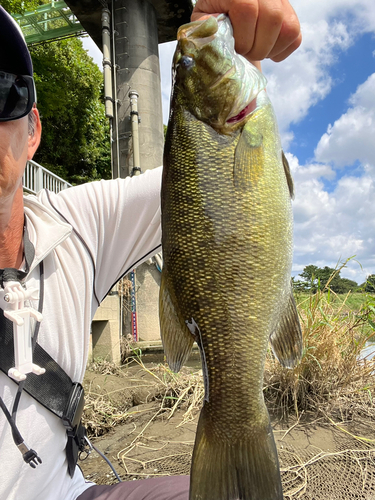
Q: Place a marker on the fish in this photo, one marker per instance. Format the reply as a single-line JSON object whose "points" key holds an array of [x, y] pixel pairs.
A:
{"points": [[227, 240]]}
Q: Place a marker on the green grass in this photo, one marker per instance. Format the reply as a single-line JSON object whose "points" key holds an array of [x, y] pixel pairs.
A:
{"points": [[346, 302]]}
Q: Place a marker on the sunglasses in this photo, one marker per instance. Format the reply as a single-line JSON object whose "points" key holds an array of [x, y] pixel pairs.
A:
{"points": [[17, 96]]}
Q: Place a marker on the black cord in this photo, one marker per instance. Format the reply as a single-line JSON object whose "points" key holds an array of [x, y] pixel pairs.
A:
{"points": [[107, 460], [30, 456], [15, 432]]}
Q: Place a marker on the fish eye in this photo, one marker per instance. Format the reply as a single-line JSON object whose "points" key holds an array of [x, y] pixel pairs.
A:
{"points": [[187, 62]]}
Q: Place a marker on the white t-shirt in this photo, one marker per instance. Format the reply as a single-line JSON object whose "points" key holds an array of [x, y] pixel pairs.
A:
{"points": [[119, 223]]}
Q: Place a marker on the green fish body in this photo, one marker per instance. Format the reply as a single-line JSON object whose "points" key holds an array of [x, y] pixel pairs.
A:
{"points": [[227, 254]]}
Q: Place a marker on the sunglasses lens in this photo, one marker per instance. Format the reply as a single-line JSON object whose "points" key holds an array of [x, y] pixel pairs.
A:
{"points": [[15, 98]]}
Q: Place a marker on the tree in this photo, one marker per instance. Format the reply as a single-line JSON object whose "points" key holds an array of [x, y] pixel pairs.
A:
{"points": [[75, 139], [346, 285], [21, 6], [18, 6], [310, 277], [300, 285], [315, 278]]}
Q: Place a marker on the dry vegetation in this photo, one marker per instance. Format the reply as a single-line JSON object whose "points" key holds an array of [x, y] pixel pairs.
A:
{"points": [[332, 368], [141, 384], [333, 387], [332, 372]]}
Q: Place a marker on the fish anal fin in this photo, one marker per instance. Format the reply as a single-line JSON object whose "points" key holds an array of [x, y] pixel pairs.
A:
{"points": [[176, 337], [286, 339], [249, 158], [288, 175], [247, 468]]}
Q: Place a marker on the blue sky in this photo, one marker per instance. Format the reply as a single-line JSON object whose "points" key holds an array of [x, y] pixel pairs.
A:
{"points": [[351, 69], [324, 98]]}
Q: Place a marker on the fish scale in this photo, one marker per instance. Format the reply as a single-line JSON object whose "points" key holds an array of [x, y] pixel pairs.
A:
{"points": [[227, 250]]}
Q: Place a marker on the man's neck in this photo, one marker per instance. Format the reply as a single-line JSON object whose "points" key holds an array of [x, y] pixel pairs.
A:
{"points": [[11, 232]]}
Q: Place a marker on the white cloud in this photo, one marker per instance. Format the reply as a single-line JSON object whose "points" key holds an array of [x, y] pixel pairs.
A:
{"points": [[360, 14], [351, 137], [333, 226], [303, 79]]}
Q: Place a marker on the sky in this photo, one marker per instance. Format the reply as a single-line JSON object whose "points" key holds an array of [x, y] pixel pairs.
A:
{"points": [[324, 98]]}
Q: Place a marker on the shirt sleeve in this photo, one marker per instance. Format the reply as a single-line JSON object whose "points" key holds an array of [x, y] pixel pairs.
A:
{"points": [[118, 221]]}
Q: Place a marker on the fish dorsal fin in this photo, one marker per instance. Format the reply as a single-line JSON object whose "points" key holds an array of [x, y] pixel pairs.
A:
{"points": [[286, 339], [288, 175], [249, 157], [177, 339]]}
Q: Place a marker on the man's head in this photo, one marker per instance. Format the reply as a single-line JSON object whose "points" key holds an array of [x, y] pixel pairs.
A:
{"points": [[20, 127], [17, 89]]}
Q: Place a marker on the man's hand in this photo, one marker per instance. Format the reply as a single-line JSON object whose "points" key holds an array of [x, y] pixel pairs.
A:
{"points": [[262, 28]]}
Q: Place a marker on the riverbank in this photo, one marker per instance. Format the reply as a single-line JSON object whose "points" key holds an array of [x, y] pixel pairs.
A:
{"points": [[143, 418]]}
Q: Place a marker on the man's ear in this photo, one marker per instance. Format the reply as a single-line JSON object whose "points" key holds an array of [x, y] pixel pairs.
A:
{"points": [[34, 134]]}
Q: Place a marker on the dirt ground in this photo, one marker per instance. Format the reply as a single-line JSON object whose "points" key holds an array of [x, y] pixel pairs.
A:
{"points": [[321, 456]]}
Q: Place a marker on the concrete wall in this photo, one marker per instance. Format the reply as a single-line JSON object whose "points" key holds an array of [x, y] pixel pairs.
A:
{"points": [[148, 284], [106, 330]]}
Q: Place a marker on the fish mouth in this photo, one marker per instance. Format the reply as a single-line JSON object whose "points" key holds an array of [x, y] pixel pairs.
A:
{"points": [[247, 110]]}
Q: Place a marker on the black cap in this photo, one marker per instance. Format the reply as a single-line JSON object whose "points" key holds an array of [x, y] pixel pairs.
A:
{"points": [[14, 54]]}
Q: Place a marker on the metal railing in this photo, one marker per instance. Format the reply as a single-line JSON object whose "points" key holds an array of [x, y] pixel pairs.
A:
{"points": [[37, 177], [46, 22]]}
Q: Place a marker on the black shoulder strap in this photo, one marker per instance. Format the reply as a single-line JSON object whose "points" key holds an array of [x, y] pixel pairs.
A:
{"points": [[52, 389]]}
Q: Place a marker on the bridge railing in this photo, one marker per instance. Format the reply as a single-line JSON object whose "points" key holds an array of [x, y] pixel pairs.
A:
{"points": [[37, 177]]}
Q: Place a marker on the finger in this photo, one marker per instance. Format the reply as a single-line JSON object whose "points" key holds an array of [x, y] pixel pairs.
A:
{"points": [[290, 33], [270, 20], [242, 13], [204, 8], [244, 17], [289, 50]]}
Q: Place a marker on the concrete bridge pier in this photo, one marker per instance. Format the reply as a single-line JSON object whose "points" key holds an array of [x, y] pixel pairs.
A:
{"points": [[137, 69]]}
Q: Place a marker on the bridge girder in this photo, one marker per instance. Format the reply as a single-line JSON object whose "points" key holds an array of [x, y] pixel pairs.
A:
{"points": [[170, 15]]}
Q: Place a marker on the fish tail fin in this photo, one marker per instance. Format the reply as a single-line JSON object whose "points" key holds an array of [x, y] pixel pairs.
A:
{"points": [[246, 469]]}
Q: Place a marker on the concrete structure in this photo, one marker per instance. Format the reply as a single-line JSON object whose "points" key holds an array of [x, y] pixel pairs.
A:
{"points": [[170, 15], [137, 64], [137, 27], [148, 283], [105, 330]]}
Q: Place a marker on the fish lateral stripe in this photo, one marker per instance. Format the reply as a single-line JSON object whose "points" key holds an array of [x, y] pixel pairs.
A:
{"points": [[195, 331]]}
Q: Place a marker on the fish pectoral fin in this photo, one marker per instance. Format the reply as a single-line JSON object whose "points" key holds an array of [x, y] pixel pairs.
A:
{"points": [[286, 339], [176, 337], [288, 175], [227, 469], [248, 158]]}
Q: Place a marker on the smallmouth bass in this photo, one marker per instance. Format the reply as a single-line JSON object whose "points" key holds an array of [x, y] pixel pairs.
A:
{"points": [[227, 249]]}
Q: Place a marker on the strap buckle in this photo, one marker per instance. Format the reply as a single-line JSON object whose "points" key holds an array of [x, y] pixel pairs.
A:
{"points": [[30, 456], [74, 408]]}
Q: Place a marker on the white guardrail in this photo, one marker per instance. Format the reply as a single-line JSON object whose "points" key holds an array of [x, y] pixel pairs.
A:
{"points": [[37, 177]]}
